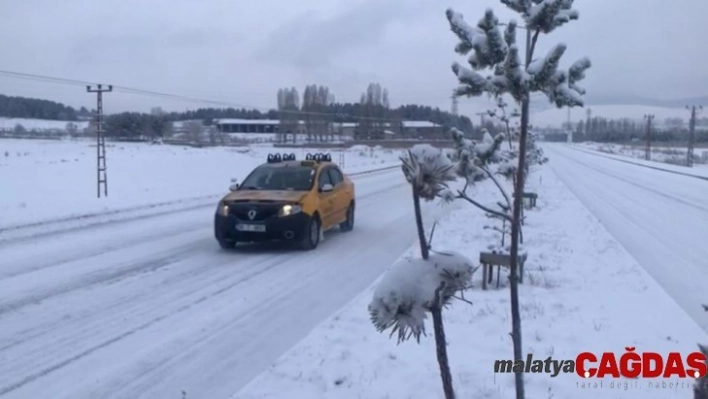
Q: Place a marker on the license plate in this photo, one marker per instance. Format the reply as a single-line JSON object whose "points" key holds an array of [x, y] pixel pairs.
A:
{"points": [[257, 228]]}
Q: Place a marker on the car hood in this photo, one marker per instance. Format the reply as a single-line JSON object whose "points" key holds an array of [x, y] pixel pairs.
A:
{"points": [[266, 195]]}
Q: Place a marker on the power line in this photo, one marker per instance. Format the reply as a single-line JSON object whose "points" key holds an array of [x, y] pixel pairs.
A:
{"points": [[168, 96]]}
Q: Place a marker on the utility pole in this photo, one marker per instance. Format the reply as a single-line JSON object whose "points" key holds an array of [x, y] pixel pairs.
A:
{"points": [[454, 102], [649, 118], [570, 128], [102, 176], [692, 134], [481, 118]]}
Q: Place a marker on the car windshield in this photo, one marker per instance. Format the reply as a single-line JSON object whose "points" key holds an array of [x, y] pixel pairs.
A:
{"points": [[297, 178]]}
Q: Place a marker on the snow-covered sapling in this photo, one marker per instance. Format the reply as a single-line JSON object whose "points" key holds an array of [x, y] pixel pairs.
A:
{"points": [[413, 287], [428, 170], [474, 162], [505, 117], [499, 52]]}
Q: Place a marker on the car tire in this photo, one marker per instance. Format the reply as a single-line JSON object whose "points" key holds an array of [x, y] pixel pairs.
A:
{"points": [[311, 238], [348, 224], [227, 245]]}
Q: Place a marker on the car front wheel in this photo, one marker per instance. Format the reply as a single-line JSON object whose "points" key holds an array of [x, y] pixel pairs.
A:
{"points": [[348, 224], [311, 238]]}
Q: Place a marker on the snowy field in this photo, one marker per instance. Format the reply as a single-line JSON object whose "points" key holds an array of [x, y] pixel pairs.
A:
{"points": [[557, 117], [38, 124], [56, 180], [672, 156], [583, 292]]}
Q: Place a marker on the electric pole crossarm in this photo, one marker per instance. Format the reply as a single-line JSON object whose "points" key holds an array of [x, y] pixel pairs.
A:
{"points": [[102, 176]]}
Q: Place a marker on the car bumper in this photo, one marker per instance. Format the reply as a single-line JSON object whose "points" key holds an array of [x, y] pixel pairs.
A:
{"points": [[276, 228]]}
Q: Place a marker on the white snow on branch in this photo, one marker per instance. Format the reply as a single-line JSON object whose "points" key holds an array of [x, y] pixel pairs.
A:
{"points": [[559, 86], [470, 36], [473, 84], [548, 15], [407, 291], [486, 39]]}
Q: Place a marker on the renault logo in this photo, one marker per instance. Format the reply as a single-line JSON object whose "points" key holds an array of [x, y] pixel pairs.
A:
{"points": [[252, 214]]}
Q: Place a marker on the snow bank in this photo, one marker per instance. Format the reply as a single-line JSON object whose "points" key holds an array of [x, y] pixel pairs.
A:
{"points": [[667, 158], [557, 117], [39, 124], [43, 180], [582, 292]]}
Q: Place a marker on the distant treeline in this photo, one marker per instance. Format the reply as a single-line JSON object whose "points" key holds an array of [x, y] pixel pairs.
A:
{"points": [[32, 108], [604, 130], [371, 111]]}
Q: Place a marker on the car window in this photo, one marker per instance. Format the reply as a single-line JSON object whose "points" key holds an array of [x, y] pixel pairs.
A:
{"points": [[280, 178], [336, 176], [325, 178]]}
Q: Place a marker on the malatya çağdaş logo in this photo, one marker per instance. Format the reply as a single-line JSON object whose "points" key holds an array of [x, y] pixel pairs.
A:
{"points": [[628, 365]]}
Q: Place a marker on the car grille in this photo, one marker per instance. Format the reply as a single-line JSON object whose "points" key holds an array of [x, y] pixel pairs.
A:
{"points": [[263, 210]]}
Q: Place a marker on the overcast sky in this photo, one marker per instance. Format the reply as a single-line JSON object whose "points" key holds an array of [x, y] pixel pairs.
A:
{"points": [[242, 52]]}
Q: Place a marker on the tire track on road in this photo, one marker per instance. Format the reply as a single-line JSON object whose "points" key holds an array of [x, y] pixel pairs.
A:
{"points": [[274, 262], [638, 185]]}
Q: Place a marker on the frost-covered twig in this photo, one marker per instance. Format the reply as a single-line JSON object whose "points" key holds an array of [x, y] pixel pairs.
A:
{"points": [[432, 232], [496, 183], [460, 298], [464, 196]]}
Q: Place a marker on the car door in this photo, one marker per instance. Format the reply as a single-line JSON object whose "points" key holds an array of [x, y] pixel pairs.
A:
{"points": [[343, 196], [327, 199]]}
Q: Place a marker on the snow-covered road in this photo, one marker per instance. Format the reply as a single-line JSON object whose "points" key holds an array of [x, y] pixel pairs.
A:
{"points": [[151, 308], [661, 218]]}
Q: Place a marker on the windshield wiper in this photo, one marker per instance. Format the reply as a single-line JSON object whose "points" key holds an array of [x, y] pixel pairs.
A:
{"points": [[250, 188]]}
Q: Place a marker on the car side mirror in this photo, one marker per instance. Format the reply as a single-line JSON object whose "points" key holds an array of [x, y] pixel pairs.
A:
{"points": [[327, 188], [233, 187]]}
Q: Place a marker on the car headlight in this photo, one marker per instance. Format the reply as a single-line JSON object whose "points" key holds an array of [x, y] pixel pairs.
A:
{"points": [[222, 209], [288, 210]]}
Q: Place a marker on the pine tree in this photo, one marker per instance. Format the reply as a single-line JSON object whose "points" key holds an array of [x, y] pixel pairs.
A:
{"points": [[496, 50]]}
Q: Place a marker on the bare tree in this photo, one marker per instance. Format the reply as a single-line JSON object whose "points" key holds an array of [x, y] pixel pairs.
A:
{"points": [[72, 129], [193, 132], [374, 106], [289, 108]]}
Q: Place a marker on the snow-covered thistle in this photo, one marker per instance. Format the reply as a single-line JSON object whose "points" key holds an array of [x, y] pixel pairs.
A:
{"points": [[412, 288], [499, 52], [428, 170], [407, 292]]}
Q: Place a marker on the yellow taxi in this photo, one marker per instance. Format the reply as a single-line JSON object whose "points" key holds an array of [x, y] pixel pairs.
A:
{"points": [[287, 199]]}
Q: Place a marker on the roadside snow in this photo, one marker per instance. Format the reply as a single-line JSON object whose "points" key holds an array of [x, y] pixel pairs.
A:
{"points": [[39, 124], [44, 180], [582, 292], [667, 158]]}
